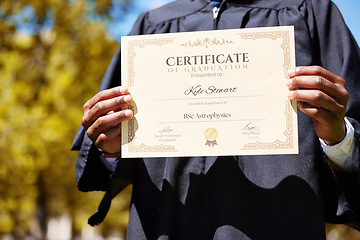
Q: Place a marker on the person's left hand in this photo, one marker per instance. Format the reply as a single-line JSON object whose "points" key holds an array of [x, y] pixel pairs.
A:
{"points": [[323, 96]]}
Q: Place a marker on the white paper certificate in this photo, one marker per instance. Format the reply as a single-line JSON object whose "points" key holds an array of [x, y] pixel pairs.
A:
{"points": [[209, 93]]}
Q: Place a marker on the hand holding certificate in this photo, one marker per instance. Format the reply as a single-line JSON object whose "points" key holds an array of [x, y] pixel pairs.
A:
{"points": [[209, 93]]}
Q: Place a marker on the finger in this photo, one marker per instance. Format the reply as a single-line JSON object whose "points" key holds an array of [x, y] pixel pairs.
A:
{"points": [[104, 95], [336, 91], [316, 71], [328, 126], [315, 112], [105, 138], [104, 107], [104, 123], [317, 98]]}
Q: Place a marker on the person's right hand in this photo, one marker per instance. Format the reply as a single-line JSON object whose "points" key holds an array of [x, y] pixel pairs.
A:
{"points": [[103, 115]]}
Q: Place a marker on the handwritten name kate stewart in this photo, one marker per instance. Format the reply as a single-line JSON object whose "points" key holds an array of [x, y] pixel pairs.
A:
{"points": [[198, 90]]}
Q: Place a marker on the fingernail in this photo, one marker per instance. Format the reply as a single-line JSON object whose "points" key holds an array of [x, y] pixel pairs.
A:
{"points": [[128, 99], [128, 113], [290, 94], [289, 82], [293, 71], [123, 90]]}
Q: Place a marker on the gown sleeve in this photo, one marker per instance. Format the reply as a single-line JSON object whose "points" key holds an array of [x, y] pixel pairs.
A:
{"points": [[339, 53]]}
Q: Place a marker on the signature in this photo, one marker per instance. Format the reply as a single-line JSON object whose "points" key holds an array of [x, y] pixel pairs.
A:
{"points": [[252, 129], [166, 130]]}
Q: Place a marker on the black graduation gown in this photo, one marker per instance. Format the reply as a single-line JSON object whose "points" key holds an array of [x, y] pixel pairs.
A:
{"points": [[238, 197]]}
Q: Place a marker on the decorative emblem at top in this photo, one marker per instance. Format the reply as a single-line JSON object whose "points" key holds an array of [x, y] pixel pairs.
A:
{"points": [[206, 42]]}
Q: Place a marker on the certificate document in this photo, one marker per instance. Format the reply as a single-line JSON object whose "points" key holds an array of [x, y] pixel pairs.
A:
{"points": [[209, 93]]}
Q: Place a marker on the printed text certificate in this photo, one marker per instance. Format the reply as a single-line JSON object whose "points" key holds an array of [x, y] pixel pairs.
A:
{"points": [[209, 93]]}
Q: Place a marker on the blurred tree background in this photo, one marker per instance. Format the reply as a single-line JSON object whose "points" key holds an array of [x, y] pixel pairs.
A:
{"points": [[47, 73]]}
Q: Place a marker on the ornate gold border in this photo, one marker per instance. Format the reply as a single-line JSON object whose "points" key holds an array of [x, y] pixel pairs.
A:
{"points": [[132, 54], [131, 123], [277, 144], [289, 131]]}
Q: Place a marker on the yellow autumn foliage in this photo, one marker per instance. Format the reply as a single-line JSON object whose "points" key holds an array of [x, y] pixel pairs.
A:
{"points": [[46, 76]]}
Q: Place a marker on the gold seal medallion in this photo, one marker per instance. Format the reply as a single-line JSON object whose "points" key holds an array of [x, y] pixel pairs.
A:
{"points": [[211, 135]]}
